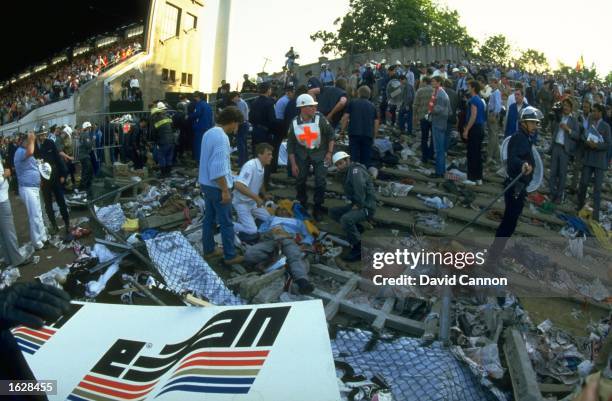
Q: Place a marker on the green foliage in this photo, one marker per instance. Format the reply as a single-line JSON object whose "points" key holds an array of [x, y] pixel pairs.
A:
{"points": [[373, 25], [532, 60], [495, 49]]}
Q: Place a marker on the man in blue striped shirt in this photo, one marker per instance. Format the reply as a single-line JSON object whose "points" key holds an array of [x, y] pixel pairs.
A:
{"points": [[216, 183]]}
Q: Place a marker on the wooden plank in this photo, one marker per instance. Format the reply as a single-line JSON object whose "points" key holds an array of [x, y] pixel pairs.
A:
{"points": [[524, 384]]}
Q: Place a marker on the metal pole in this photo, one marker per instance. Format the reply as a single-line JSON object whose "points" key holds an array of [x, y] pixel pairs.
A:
{"points": [[483, 211], [445, 316]]}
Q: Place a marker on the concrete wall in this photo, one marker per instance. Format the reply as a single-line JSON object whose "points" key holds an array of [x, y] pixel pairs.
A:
{"points": [[425, 54]]}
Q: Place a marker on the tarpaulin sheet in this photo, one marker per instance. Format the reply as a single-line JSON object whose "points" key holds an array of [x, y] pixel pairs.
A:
{"points": [[184, 270], [414, 372]]}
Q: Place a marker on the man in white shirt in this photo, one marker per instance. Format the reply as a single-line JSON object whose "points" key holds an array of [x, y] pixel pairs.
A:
{"points": [[134, 84], [9, 247], [249, 196]]}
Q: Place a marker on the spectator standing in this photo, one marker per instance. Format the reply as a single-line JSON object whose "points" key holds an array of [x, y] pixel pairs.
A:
{"points": [[26, 168], [85, 147], [474, 134], [8, 237], [216, 182], [439, 111], [362, 120], [134, 87], [405, 109], [262, 117], [421, 106], [597, 141], [565, 133], [243, 129], [493, 112], [202, 121], [163, 134]]}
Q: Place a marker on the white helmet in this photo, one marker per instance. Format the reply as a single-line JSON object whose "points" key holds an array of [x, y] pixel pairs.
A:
{"points": [[67, 130], [339, 156], [305, 100], [161, 106], [44, 169], [86, 125], [397, 62], [530, 113]]}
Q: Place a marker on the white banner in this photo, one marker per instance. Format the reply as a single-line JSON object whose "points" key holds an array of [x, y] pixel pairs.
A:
{"points": [[105, 352]]}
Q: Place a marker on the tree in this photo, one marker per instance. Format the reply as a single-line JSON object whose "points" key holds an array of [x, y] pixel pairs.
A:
{"points": [[532, 61], [609, 78], [495, 49], [373, 25]]}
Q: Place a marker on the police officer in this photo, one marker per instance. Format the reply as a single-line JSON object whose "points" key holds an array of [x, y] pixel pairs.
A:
{"points": [[310, 142], [359, 189], [85, 147], [164, 136], [262, 117], [520, 160], [54, 186]]}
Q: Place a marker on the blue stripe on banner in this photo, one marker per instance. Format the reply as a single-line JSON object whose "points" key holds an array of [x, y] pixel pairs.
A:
{"points": [[24, 343], [24, 349], [212, 380], [206, 389], [73, 397]]}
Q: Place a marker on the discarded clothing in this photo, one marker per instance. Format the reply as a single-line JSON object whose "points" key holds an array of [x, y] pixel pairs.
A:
{"points": [[431, 221], [395, 189], [576, 222], [111, 216], [184, 270], [435, 202]]}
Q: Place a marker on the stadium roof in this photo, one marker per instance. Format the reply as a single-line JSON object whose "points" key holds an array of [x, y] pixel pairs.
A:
{"points": [[34, 31]]}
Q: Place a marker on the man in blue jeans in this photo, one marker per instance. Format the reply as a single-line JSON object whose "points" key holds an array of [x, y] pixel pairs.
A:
{"points": [[216, 183], [362, 120], [440, 109], [405, 111]]}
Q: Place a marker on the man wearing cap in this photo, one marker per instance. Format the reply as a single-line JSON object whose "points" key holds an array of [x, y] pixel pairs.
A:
{"points": [[163, 134], [312, 82], [359, 190], [310, 142], [202, 120], [53, 187], [26, 168], [85, 147]]}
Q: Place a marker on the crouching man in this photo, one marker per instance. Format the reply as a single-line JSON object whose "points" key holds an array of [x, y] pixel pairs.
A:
{"points": [[249, 194], [263, 253], [359, 190]]}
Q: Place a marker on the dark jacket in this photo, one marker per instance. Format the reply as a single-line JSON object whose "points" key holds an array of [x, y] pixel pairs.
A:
{"points": [[261, 113], [519, 152], [571, 137], [512, 120], [598, 157], [50, 154], [359, 187], [85, 145], [162, 129]]}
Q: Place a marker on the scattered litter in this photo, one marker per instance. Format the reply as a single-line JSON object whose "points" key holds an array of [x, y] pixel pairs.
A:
{"points": [[431, 221], [55, 277], [435, 202], [406, 153], [35, 259], [8, 276], [455, 175], [94, 288], [395, 209], [395, 189], [112, 216]]}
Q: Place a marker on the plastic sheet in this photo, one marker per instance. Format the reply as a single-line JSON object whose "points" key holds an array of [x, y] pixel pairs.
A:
{"points": [[413, 372], [184, 270], [8, 276]]}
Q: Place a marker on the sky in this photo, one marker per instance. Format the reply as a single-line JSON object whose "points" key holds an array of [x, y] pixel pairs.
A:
{"points": [[563, 30]]}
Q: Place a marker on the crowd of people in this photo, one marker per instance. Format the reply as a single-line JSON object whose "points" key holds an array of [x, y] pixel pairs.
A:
{"points": [[62, 80]]}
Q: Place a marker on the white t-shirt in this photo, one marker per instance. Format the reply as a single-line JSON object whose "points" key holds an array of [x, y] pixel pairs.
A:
{"points": [[134, 83], [251, 175]]}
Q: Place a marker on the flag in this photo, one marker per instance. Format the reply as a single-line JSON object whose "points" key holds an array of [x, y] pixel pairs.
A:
{"points": [[580, 64]]}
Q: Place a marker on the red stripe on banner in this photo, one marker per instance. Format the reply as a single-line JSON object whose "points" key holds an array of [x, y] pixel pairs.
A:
{"points": [[34, 333], [118, 385], [43, 330], [222, 362], [113, 393], [245, 354]]}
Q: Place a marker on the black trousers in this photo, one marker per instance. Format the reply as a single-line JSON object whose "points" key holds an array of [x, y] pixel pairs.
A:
{"points": [[86, 175], [474, 152], [514, 208], [53, 188]]}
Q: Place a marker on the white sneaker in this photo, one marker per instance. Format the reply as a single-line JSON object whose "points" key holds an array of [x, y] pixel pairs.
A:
{"points": [[469, 182]]}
